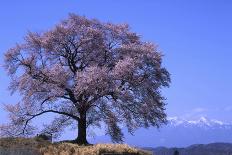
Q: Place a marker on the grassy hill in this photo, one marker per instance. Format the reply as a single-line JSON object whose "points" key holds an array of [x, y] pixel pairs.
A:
{"points": [[35, 146]]}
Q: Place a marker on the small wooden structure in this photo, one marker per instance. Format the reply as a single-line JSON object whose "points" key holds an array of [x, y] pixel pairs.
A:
{"points": [[45, 136]]}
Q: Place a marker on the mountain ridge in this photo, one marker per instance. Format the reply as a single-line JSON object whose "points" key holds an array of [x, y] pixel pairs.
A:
{"points": [[195, 149], [201, 120], [179, 133]]}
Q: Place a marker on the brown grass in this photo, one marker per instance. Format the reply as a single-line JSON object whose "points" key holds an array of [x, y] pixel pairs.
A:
{"points": [[73, 149], [23, 142], [46, 148]]}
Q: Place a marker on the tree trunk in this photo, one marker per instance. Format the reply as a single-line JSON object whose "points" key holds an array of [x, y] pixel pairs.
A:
{"points": [[82, 126]]}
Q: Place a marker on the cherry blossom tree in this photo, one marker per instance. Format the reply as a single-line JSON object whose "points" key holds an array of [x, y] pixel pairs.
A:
{"points": [[87, 73]]}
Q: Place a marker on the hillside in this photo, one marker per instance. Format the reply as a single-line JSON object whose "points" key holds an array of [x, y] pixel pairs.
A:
{"points": [[23, 146], [197, 149]]}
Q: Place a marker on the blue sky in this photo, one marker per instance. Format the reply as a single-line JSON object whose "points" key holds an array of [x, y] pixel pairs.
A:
{"points": [[195, 36]]}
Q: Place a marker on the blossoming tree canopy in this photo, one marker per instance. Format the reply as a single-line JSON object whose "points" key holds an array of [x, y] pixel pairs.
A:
{"points": [[88, 73]]}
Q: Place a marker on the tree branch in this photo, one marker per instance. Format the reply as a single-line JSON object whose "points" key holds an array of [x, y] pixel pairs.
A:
{"points": [[53, 111]]}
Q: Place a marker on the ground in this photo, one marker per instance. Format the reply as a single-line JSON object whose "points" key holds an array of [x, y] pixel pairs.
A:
{"points": [[35, 146]]}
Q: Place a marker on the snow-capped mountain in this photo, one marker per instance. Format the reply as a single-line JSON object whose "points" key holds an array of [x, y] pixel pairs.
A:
{"points": [[201, 122], [180, 133]]}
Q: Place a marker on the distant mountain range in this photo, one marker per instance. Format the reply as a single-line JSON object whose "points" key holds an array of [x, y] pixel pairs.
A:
{"points": [[198, 149], [179, 133], [201, 123]]}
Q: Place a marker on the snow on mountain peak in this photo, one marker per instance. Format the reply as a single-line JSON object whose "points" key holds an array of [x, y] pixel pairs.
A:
{"points": [[202, 121], [217, 122]]}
